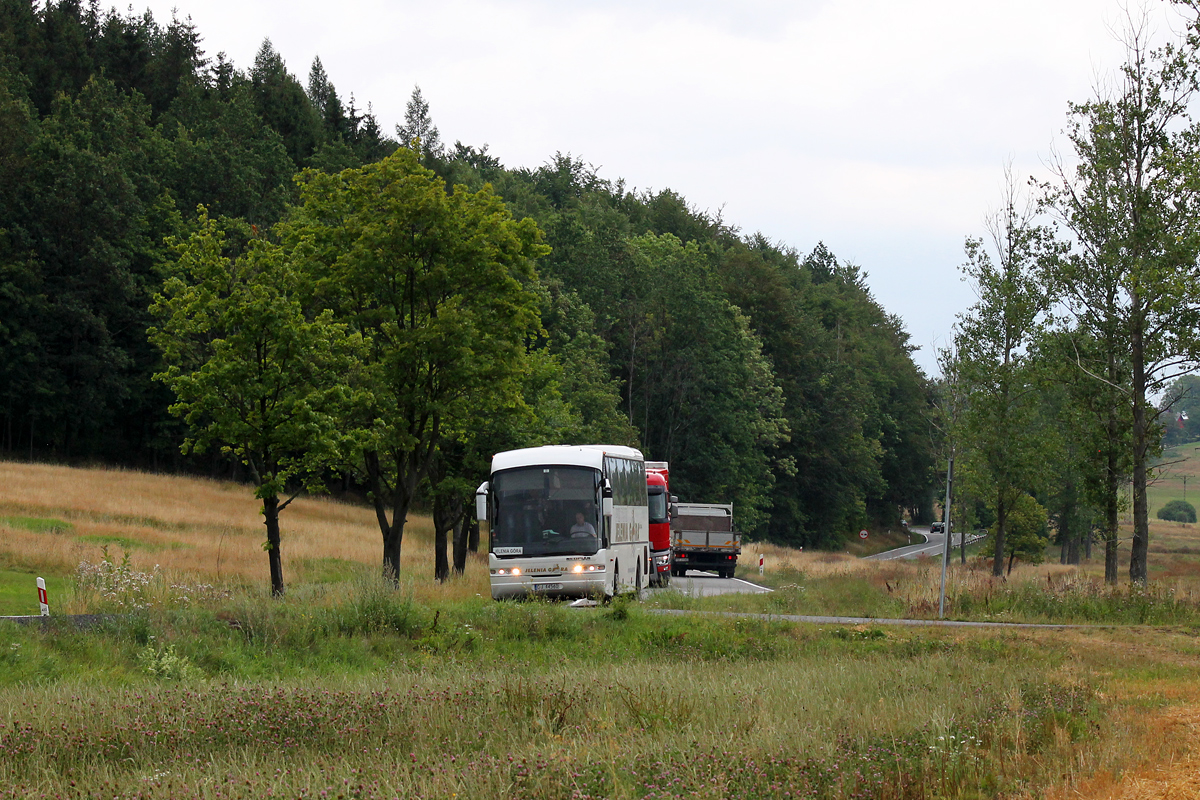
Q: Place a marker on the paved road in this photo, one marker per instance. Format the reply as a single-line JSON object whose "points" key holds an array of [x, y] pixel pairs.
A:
{"points": [[946, 623], [705, 584], [934, 542]]}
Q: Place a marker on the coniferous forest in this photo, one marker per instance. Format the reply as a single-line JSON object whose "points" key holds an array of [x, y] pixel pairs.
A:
{"points": [[136, 169]]}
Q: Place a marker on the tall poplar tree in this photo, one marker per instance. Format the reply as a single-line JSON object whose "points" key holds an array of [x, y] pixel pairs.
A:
{"points": [[1132, 203], [992, 343]]}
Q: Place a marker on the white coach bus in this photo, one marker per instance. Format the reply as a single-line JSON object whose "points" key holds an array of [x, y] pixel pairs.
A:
{"points": [[566, 521]]}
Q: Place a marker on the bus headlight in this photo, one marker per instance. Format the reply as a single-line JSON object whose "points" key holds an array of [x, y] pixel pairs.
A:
{"points": [[503, 571]]}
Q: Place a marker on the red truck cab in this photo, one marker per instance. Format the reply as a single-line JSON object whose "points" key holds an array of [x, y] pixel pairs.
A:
{"points": [[659, 497]]}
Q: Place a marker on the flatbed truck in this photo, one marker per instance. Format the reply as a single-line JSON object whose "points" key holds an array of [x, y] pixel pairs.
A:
{"points": [[703, 537]]}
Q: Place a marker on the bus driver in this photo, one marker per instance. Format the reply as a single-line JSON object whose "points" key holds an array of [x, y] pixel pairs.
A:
{"points": [[582, 529]]}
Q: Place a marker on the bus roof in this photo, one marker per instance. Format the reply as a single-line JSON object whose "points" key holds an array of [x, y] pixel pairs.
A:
{"points": [[590, 455]]}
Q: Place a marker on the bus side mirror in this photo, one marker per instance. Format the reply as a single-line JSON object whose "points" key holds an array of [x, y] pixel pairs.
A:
{"points": [[481, 497], [674, 499], [606, 500]]}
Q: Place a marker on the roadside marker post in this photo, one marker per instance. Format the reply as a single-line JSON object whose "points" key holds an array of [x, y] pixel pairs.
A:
{"points": [[43, 601], [761, 564]]}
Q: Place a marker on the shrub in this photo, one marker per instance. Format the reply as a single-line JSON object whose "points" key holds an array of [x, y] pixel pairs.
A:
{"points": [[1178, 511], [116, 585]]}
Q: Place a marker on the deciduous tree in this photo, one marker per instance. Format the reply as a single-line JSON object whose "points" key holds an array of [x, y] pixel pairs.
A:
{"points": [[1132, 204], [999, 438], [254, 376], [438, 285]]}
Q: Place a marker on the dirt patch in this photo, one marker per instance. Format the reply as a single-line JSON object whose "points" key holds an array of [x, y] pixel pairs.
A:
{"points": [[1178, 779]]}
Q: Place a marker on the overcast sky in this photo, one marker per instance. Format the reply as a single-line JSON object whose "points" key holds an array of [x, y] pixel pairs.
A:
{"points": [[880, 127]]}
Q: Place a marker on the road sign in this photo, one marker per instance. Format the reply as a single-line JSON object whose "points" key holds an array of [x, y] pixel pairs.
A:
{"points": [[862, 534]]}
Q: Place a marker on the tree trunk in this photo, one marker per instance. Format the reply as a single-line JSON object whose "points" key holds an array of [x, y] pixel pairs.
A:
{"points": [[1064, 533], [441, 566], [1112, 488], [447, 516], [393, 531], [962, 543], [460, 547], [271, 520], [1068, 531], [473, 536], [1001, 520], [1141, 523], [393, 537]]}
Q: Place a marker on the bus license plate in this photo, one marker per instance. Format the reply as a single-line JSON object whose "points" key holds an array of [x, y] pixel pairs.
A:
{"points": [[546, 587]]}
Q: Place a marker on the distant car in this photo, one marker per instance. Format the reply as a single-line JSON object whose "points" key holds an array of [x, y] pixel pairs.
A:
{"points": [[937, 527]]}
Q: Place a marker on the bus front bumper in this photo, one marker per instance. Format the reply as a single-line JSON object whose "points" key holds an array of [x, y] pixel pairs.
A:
{"points": [[565, 585]]}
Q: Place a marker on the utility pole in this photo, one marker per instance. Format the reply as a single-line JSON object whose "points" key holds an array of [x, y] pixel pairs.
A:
{"points": [[946, 533]]}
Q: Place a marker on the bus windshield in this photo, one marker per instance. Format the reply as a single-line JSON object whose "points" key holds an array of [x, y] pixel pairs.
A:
{"points": [[546, 511]]}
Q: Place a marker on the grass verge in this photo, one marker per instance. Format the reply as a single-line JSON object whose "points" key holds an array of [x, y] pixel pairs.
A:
{"points": [[375, 694]]}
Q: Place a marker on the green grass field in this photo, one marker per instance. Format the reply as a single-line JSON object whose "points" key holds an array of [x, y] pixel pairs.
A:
{"points": [[18, 592], [375, 695], [1176, 478]]}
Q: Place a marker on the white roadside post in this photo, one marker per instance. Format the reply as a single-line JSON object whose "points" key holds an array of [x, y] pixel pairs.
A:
{"points": [[43, 601], [761, 564]]}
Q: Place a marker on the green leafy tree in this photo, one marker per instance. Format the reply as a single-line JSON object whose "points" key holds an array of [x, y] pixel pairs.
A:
{"points": [[253, 375], [1131, 203], [703, 395], [1088, 460], [438, 285], [1180, 411], [1027, 531], [1001, 442], [1178, 511]]}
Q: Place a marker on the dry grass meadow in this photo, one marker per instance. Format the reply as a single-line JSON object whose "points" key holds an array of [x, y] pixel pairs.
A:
{"points": [[209, 530], [198, 529]]}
